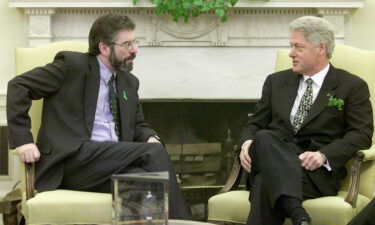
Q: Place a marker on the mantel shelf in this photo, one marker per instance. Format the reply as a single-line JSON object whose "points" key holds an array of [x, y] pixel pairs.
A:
{"points": [[148, 4]]}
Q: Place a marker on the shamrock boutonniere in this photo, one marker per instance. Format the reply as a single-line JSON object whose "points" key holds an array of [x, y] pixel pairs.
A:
{"points": [[332, 101], [124, 95]]}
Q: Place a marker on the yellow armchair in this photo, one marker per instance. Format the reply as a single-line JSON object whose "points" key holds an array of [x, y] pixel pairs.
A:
{"points": [[358, 187], [58, 206]]}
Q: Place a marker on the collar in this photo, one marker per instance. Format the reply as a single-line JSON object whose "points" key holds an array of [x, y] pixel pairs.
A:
{"points": [[319, 77], [105, 72]]}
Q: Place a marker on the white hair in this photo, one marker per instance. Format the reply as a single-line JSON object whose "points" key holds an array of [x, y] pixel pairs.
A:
{"points": [[316, 30]]}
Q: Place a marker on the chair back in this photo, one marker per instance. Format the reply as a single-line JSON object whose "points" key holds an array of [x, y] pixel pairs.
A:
{"points": [[361, 63], [29, 58]]}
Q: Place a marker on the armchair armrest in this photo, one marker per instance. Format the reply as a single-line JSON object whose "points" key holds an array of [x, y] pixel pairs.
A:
{"points": [[360, 157], [30, 180], [27, 177], [235, 174], [368, 154]]}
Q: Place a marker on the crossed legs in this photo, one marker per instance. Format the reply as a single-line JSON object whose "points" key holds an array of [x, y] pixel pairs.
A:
{"points": [[91, 167], [278, 182]]}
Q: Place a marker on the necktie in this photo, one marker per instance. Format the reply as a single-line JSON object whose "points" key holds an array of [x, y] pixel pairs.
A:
{"points": [[114, 105], [304, 106]]}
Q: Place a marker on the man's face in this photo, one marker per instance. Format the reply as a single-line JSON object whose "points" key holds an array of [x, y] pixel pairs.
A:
{"points": [[123, 51], [305, 56]]}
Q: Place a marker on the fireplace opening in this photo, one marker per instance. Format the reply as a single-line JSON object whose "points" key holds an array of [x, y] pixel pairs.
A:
{"points": [[200, 136], [4, 151]]}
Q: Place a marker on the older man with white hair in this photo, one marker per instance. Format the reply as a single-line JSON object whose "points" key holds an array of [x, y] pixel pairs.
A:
{"points": [[309, 122]]}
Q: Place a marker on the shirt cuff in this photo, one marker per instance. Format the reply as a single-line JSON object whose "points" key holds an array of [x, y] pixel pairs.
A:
{"points": [[327, 166], [246, 143]]}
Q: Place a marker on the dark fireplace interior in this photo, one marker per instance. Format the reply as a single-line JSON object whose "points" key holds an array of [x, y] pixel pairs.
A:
{"points": [[4, 151], [200, 136]]}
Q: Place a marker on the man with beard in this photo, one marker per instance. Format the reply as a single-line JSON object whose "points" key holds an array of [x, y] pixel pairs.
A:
{"points": [[92, 122]]}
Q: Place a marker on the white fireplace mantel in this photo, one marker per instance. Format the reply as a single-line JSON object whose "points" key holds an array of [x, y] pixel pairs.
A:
{"points": [[44, 15], [203, 58]]}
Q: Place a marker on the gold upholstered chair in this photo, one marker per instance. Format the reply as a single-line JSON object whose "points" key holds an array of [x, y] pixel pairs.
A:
{"points": [[58, 206], [356, 191]]}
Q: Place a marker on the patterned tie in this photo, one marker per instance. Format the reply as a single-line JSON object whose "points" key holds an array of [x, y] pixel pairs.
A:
{"points": [[304, 106], [114, 105]]}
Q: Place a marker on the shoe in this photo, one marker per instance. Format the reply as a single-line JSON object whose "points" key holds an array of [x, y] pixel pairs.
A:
{"points": [[304, 222]]}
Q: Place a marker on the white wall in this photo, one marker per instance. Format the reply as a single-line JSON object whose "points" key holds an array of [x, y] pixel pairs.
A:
{"points": [[14, 35], [363, 27]]}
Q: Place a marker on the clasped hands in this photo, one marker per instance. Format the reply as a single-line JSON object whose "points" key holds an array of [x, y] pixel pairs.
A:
{"points": [[309, 160]]}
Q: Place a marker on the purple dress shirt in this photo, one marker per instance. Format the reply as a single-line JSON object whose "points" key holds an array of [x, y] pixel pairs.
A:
{"points": [[104, 127]]}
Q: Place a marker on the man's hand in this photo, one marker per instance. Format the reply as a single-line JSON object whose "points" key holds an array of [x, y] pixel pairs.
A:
{"points": [[153, 139], [28, 153], [245, 157], [312, 160]]}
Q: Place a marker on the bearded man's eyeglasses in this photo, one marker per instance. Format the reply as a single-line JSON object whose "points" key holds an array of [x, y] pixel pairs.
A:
{"points": [[127, 44]]}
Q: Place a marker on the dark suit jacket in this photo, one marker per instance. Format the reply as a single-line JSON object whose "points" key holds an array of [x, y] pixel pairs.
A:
{"points": [[69, 86], [338, 134]]}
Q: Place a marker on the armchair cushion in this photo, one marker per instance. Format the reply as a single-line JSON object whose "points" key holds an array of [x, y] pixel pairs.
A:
{"points": [[68, 207], [233, 207], [333, 209]]}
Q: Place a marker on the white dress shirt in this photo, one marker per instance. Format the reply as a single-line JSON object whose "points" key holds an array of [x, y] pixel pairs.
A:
{"points": [[318, 79]]}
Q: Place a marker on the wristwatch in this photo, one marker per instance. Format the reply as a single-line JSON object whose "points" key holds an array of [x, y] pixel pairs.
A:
{"points": [[157, 137], [324, 157]]}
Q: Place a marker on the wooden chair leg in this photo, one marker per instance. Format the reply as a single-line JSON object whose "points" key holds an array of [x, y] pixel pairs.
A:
{"points": [[8, 206]]}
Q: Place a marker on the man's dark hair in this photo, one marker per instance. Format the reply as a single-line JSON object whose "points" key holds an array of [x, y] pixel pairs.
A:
{"points": [[105, 29]]}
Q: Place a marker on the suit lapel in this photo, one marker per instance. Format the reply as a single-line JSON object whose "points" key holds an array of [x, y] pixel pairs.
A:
{"points": [[91, 92], [321, 101], [287, 96], [124, 91]]}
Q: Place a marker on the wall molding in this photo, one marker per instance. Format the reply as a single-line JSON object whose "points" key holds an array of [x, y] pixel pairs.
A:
{"points": [[147, 4]]}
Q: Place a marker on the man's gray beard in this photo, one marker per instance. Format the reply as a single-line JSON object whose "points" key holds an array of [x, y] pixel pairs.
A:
{"points": [[120, 65]]}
